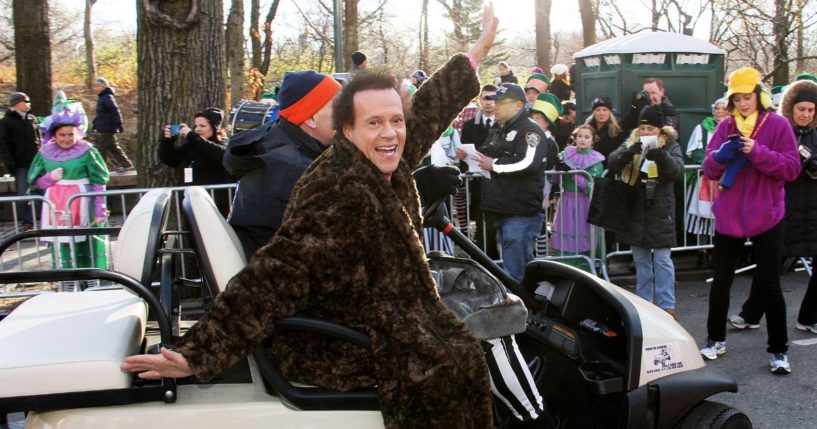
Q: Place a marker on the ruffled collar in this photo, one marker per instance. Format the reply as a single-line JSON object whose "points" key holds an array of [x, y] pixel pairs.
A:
{"points": [[52, 152], [581, 159]]}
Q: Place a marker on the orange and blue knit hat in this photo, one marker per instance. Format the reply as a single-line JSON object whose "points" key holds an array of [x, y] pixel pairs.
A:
{"points": [[303, 93]]}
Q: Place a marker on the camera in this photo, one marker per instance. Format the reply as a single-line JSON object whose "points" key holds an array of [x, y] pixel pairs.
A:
{"points": [[174, 129], [641, 96]]}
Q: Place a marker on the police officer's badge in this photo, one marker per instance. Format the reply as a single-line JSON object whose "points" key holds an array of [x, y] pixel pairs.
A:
{"points": [[532, 139]]}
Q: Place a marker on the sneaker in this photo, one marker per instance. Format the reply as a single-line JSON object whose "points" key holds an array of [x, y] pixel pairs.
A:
{"points": [[812, 328], [712, 349], [739, 323], [779, 364]]}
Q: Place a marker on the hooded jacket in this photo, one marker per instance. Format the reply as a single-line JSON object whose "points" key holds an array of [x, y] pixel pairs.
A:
{"points": [[268, 160], [652, 221], [349, 250], [801, 194], [756, 201], [108, 118]]}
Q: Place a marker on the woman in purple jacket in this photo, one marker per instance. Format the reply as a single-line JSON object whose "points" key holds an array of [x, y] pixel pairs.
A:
{"points": [[753, 153]]}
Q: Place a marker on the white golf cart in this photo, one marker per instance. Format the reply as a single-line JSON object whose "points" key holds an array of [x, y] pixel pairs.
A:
{"points": [[607, 358]]}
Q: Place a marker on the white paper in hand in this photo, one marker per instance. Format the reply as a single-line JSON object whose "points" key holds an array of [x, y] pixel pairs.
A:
{"points": [[470, 159]]}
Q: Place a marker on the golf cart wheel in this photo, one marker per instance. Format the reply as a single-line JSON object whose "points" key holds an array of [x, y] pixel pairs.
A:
{"points": [[714, 415]]}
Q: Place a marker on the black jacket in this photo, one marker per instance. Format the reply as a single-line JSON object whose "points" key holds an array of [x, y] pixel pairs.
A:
{"points": [[108, 118], [202, 155], [19, 139], [522, 154], [652, 220], [561, 89], [607, 143], [801, 203], [475, 131], [268, 160]]}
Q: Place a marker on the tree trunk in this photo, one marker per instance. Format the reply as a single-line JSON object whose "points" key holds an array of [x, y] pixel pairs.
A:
{"points": [[588, 22], [255, 34], [422, 63], [798, 21], [173, 85], [780, 28], [350, 32], [542, 14], [273, 9], [33, 64], [90, 61], [234, 39]]}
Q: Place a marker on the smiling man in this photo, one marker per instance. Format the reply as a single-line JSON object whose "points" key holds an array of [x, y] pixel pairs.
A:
{"points": [[349, 251]]}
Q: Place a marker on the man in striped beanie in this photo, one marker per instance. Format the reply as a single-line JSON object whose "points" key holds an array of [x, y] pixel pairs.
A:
{"points": [[269, 159]]}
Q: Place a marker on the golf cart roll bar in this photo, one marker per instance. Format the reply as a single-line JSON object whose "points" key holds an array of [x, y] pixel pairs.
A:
{"points": [[164, 391]]}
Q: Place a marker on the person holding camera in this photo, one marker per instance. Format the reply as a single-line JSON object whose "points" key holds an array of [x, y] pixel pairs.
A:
{"points": [[199, 153], [764, 155], [652, 93], [651, 161]]}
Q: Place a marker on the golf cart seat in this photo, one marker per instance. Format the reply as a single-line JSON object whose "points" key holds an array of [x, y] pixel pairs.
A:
{"points": [[56, 343], [220, 258]]}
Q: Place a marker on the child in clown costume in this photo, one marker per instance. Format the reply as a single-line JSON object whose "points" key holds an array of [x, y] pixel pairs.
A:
{"points": [[65, 166]]}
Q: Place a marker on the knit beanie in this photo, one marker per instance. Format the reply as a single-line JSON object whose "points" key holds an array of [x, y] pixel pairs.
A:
{"points": [[358, 58], [549, 105], [420, 75], [602, 101], [651, 115], [806, 76], [805, 96], [537, 76], [214, 116], [102, 81], [303, 93], [16, 97]]}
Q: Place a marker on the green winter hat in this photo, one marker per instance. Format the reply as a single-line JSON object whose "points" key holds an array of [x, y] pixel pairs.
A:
{"points": [[549, 105], [537, 76], [806, 76]]}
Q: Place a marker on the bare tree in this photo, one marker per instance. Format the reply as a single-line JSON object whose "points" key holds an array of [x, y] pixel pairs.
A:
{"points": [[273, 10], [589, 17], [33, 65], [255, 34], [543, 39], [423, 61], [171, 88], [234, 50], [90, 61]]}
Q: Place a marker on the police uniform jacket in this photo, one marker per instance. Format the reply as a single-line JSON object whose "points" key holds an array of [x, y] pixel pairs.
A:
{"points": [[521, 156]]}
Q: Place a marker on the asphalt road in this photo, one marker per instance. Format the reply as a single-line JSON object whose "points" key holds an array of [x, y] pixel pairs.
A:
{"points": [[771, 401]]}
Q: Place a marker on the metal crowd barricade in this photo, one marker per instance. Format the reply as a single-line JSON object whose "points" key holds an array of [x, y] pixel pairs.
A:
{"points": [[465, 221], [176, 223], [24, 253], [702, 235]]}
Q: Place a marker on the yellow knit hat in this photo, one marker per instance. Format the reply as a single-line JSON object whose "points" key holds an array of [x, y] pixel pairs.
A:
{"points": [[743, 81]]}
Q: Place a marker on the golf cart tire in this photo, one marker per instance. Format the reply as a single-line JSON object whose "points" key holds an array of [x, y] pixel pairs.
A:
{"points": [[714, 415]]}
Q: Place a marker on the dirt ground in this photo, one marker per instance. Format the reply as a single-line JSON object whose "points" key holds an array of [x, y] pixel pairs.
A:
{"points": [[126, 98]]}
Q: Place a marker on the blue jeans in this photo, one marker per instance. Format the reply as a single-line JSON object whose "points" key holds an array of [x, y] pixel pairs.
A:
{"points": [[517, 235], [655, 276]]}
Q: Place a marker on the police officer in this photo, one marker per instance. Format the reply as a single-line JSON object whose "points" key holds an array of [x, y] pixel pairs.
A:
{"points": [[516, 158]]}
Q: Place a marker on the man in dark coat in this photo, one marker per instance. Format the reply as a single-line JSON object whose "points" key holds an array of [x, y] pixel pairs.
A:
{"points": [[19, 142], [268, 160], [652, 93], [477, 131], [108, 123], [517, 158], [349, 250]]}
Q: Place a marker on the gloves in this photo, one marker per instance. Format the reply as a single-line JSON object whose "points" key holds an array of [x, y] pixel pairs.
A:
{"points": [[633, 150], [727, 152], [434, 183], [562, 166], [56, 174], [655, 154]]}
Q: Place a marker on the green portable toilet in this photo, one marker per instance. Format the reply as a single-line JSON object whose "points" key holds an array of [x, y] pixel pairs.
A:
{"points": [[692, 71]]}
